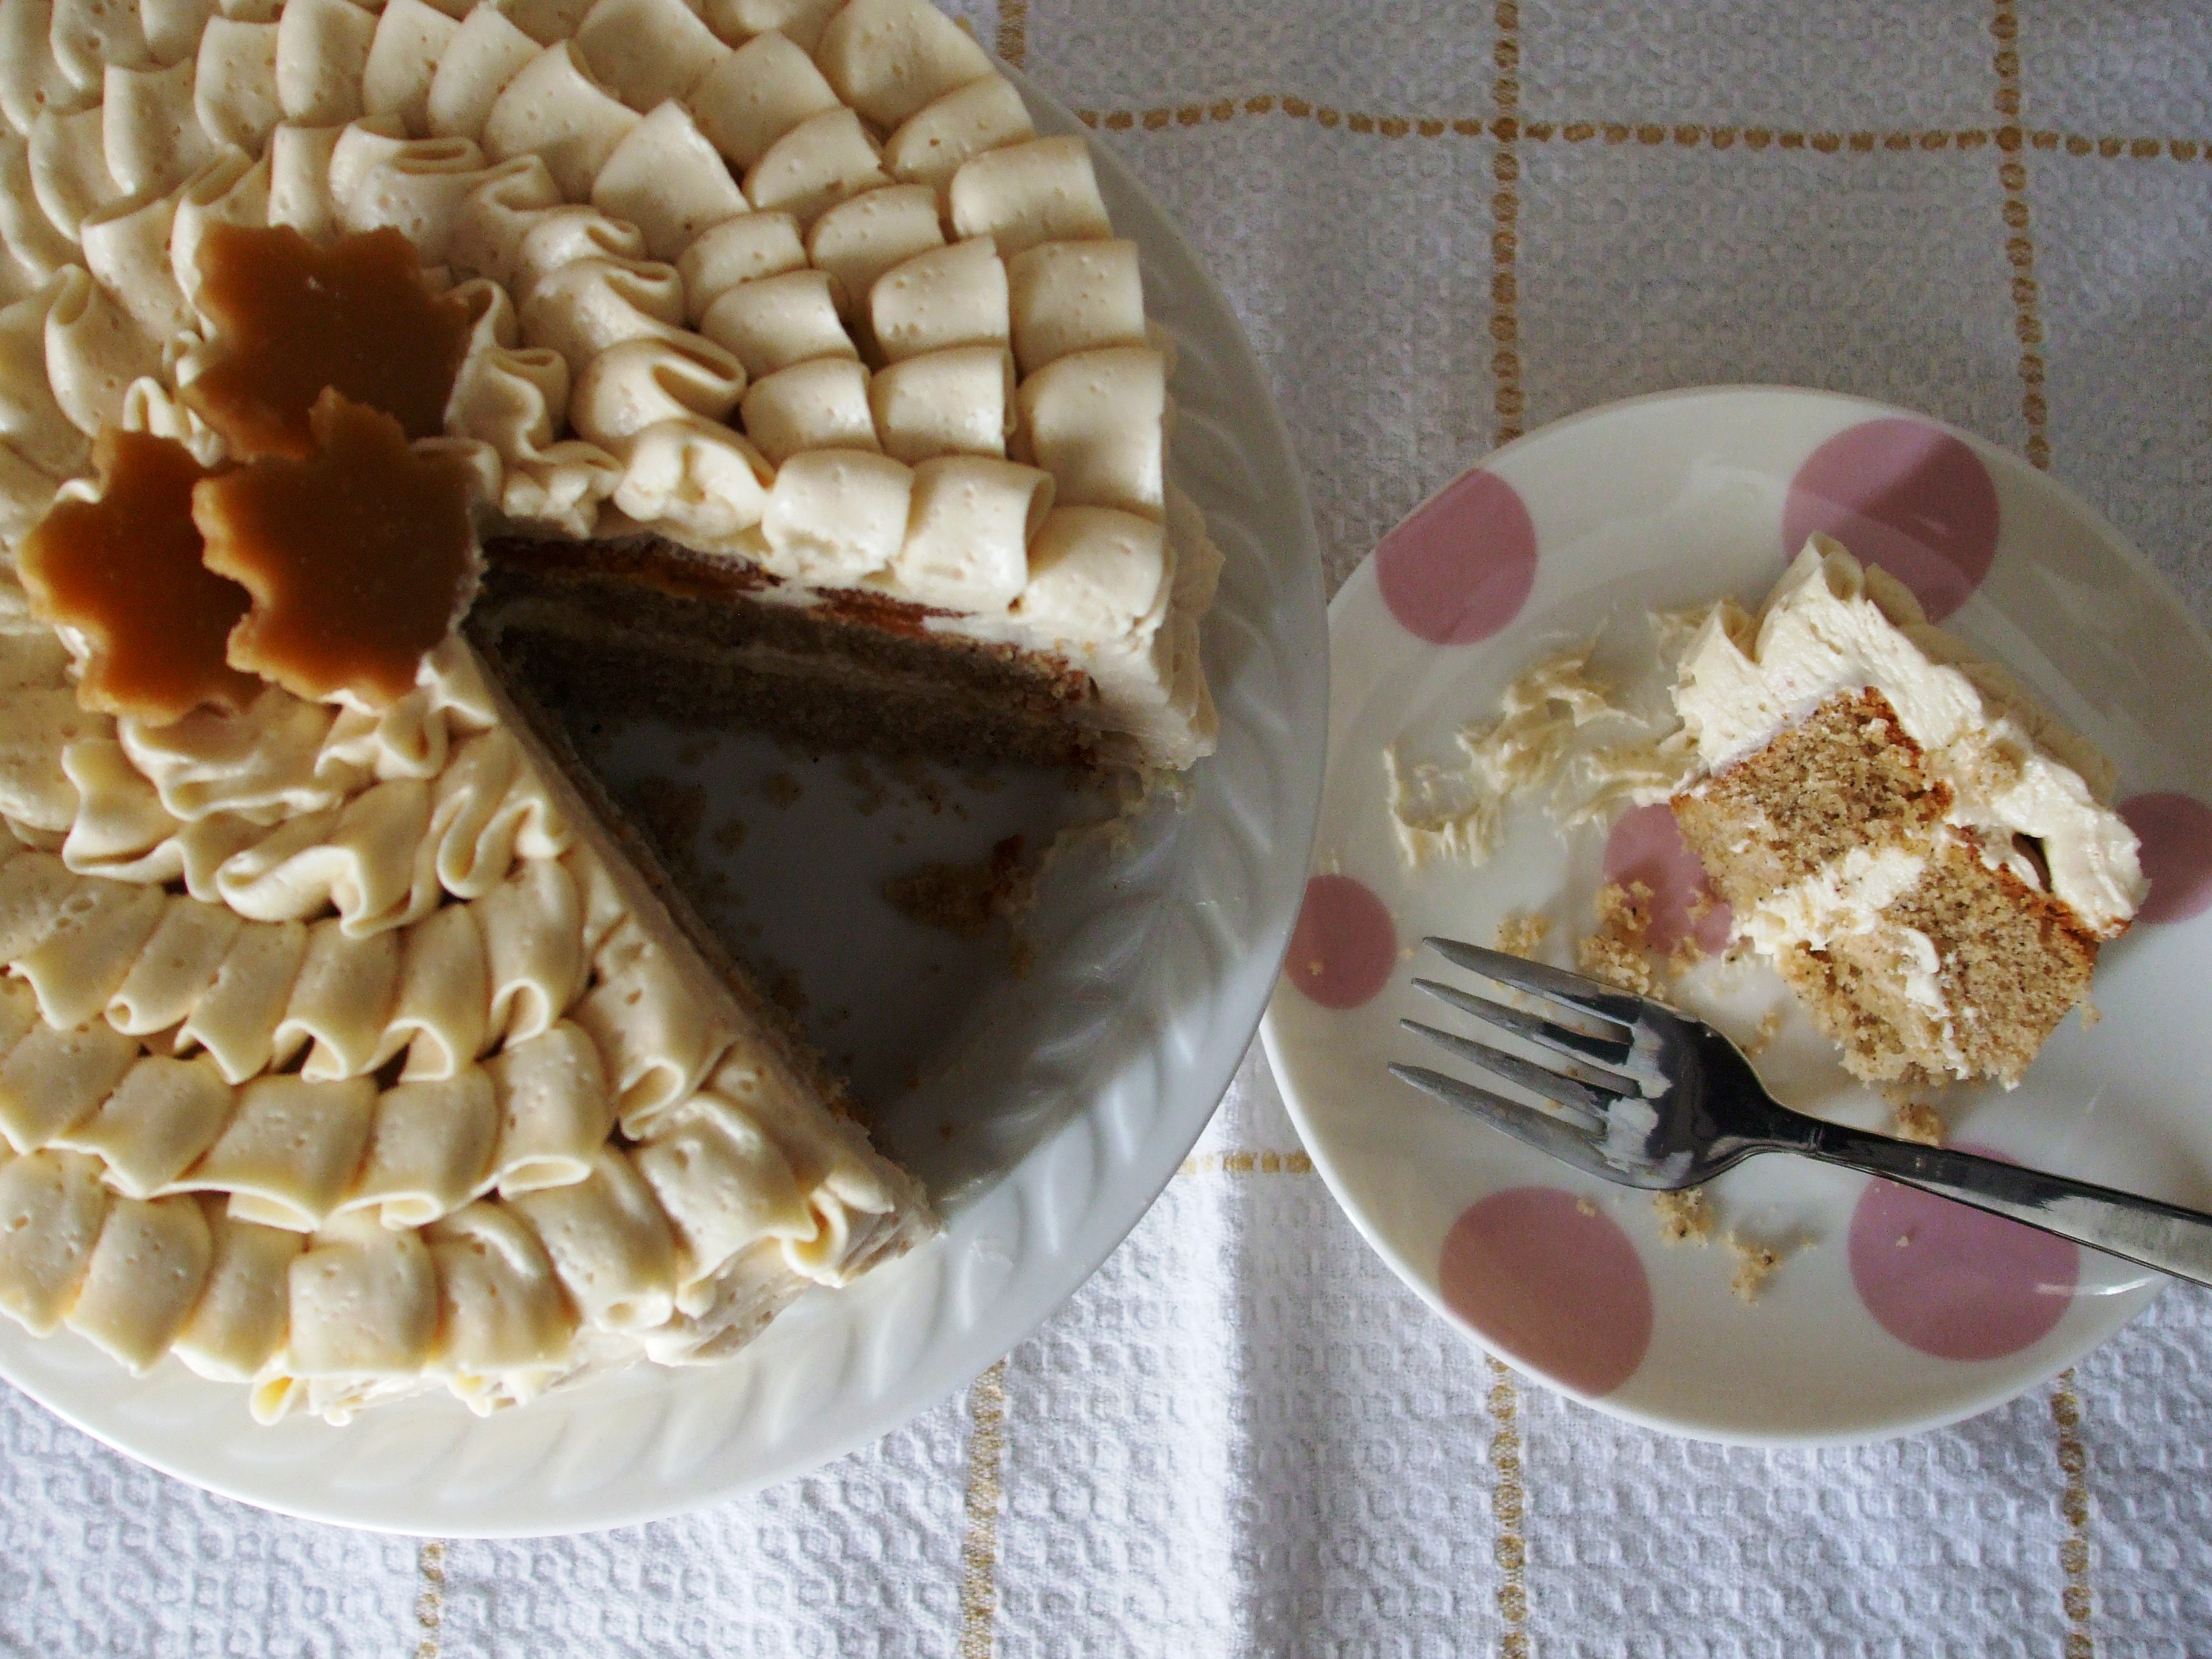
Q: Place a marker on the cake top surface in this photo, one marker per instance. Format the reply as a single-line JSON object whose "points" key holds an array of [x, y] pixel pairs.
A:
{"points": [[789, 281], [1833, 626]]}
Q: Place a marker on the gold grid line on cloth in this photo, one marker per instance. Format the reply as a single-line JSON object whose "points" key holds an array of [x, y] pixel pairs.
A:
{"points": [[978, 1548], [1508, 1497], [1679, 134], [2074, 1553], [431, 1603], [1014, 31], [2020, 245], [1509, 1508], [1240, 1162], [1507, 398]]}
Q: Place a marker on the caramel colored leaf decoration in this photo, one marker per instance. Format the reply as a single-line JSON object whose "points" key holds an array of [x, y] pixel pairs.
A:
{"points": [[292, 320], [359, 558], [124, 574]]}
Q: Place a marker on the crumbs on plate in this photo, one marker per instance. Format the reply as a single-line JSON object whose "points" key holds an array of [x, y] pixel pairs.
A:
{"points": [[1522, 935], [1685, 1218], [1616, 951]]}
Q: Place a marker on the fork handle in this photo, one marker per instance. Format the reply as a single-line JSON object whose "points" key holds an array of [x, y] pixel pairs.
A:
{"points": [[2161, 1236]]}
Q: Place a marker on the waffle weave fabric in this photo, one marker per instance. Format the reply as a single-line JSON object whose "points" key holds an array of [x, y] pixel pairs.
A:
{"points": [[1441, 225]]}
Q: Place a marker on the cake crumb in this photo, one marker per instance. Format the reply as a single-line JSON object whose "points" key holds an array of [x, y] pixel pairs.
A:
{"points": [[672, 813], [1583, 1206], [2092, 1015], [966, 898], [869, 788], [781, 788], [711, 888], [1520, 935], [1685, 1217], [1615, 951], [1769, 1027], [927, 790], [786, 993], [1755, 1263], [1916, 1120]]}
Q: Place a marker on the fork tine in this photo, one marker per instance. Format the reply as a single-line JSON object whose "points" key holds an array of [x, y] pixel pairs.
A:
{"points": [[1526, 1124], [1578, 1045], [1562, 1091], [1584, 996]]}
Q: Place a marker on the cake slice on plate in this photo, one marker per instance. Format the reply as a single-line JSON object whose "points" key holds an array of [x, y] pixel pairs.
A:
{"points": [[1930, 860]]}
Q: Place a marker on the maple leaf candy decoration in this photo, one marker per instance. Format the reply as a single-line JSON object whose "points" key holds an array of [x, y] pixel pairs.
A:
{"points": [[359, 558], [121, 577], [291, 319]]}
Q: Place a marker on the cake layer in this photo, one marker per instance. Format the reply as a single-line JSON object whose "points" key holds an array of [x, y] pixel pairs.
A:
{"points": [[1847, 779], [1965, 973], [643, 627], [768, 1071]]}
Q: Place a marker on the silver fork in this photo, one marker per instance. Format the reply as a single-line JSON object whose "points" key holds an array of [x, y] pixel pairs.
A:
{"points": [[1652, 1098]]}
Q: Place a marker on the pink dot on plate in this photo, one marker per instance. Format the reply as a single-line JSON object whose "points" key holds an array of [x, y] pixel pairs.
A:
{"points": [[1461, 569], [1916, 502], [1548, 1280], [1645, 846], [1343, 946], [1955, 1282], [2176, 831]]}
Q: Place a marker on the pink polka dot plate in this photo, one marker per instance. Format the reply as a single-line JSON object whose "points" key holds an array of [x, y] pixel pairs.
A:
{"points": [[1888, 1312]]}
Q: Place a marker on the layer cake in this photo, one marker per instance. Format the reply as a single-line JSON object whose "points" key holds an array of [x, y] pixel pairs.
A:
{"points": [[1930, 860], [776, 370]]}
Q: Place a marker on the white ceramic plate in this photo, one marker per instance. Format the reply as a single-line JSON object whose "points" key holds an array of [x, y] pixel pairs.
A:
{"points": [[1891, 1312], [1046, 1110]]}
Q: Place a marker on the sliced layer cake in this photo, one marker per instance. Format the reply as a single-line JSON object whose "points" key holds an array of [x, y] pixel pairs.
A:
{"points": [[378, 377], [1930, 861]]}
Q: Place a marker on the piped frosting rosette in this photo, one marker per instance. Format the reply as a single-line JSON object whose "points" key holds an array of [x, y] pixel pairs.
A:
{"points": [[226, 1100], [794, 283]]}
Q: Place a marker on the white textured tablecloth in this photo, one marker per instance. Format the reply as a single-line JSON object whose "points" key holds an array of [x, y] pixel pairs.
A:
{"points": [[1440, 225]]}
